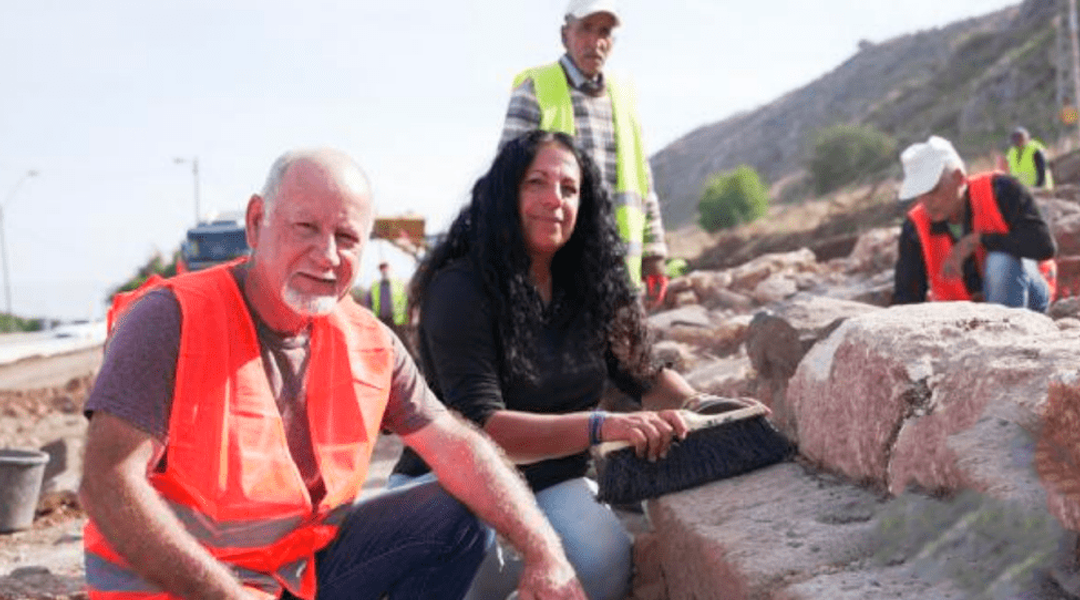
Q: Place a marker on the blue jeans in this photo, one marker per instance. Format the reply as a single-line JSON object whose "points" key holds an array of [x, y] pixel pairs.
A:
{"points": [[416, 542], [595, 541], [1014, 282]]}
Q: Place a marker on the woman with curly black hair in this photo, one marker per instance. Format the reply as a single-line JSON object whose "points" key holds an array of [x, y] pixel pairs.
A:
{"points": [[526, 311]]}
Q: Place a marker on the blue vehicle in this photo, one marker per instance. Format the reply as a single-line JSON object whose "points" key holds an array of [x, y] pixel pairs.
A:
{"points": [[213, 242]]}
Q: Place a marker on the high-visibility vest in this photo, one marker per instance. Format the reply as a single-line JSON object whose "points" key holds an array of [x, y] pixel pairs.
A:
{"points": [[228, 475], [631, 163], [398, 298], [986, 218], [1022, 164]]}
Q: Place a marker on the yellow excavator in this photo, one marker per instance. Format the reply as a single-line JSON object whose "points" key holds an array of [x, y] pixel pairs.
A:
{"points": [[405, 232]]}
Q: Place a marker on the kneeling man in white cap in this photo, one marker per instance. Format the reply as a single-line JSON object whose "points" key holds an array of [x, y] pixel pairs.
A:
{"points": [[970, 237]]}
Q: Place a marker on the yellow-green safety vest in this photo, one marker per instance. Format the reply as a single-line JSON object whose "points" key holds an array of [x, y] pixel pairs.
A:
{"points": [[557, 114], [398, 297], [1022, 164]]}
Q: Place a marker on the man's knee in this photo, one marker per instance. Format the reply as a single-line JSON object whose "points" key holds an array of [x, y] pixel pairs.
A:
{"points": [[1003, 279], [1014, 282], [443, 512]]}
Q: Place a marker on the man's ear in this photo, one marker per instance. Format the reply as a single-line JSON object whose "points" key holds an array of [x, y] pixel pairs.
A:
{"points": [[562, 35], [959, 178], [253, 219]]}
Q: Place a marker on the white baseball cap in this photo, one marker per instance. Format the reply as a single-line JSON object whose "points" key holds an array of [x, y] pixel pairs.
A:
{"points": [[579, 9], [924, 163]]}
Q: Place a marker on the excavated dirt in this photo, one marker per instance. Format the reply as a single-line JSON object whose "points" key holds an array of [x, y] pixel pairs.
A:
{"points": [[44, 561]]}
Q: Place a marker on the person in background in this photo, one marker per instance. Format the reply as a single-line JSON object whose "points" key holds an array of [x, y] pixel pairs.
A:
{"points": [[525, 311], [234, 417], [1026, 160], [389, 300], [977, 237], [573, 95]]}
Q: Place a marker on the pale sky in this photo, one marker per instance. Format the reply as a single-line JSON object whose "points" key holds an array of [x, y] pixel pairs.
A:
{"points": [[101, 97]]}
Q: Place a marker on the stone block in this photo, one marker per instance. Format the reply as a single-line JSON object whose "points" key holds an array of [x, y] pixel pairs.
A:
{"points": [[882, 398], [739, 537]]}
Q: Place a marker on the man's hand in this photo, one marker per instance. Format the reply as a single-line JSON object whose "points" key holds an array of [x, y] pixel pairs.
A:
{"points": [[655, 290], [473, 469], [962, 249], [655, 279], [549, 582]]}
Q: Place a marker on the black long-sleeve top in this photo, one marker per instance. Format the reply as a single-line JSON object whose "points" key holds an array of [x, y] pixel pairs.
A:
{"points": [[462, 358], [1040, 168], [1029, 237]]}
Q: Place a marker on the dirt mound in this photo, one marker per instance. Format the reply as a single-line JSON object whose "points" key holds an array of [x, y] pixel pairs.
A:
{"points": [[35, 418], [829, 227], [67, 399]]}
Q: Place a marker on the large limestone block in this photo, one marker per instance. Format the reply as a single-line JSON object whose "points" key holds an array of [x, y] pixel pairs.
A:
{"points": [[739, 538], [871, 584], [788, 533], [895, 397], [777, 340]]}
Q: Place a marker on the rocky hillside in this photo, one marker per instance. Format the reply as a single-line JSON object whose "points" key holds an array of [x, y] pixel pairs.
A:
{"points": [[971, 81]]}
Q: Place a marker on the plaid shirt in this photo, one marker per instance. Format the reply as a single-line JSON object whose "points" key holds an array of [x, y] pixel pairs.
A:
{"points": [[595, 132]]}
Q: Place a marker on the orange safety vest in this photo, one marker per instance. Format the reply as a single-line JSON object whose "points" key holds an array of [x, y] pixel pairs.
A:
{"points": [[229, 476], [986, 218]]}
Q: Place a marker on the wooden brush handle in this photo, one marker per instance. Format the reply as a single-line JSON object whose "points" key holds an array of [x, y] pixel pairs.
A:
{"points": [[697, 421]]}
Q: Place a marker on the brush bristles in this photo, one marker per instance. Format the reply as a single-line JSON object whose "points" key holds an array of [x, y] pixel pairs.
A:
{"points": [[705, 455]]}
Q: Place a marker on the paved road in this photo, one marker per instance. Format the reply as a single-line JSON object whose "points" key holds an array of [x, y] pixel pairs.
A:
{"points": [[50, 371]]}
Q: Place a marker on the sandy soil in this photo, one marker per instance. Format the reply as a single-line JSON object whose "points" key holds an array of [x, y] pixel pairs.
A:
{"points": [[40, 405]]}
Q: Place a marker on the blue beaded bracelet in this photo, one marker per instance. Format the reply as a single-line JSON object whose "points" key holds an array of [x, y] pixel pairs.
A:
{"points": [[596, 424]]}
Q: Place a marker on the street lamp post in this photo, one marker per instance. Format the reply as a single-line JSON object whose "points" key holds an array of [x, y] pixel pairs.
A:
{"points": [[195, 175], [3, 244]]}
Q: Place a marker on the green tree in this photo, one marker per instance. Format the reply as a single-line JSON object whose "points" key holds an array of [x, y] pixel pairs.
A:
{"points": [[847, 153], [156, 265], [732, 198], [11, 324]]}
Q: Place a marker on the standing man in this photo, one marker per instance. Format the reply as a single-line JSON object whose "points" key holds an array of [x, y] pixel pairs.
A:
{"points": [[970, 237], [1026, 159], [234, 417], [574, 96], [389, 300]]}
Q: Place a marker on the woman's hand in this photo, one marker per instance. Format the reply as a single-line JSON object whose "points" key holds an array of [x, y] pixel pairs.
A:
{"points": [[649, 432]]}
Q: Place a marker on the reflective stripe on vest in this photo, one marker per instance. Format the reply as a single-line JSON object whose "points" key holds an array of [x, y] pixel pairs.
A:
{"points": [[1022, 165], [399, 300], [250, 507], [631, 166], [114, 581], [986, 218]]}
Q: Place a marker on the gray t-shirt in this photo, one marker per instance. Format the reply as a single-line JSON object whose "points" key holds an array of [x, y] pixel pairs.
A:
{"points": [[137, 378]]}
